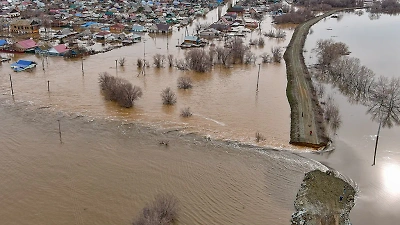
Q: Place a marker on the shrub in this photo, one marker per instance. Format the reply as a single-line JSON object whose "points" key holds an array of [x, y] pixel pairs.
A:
{"points": [[158, 60], [163, 211], [170, 60], [261, 42], [198, 60], [139, 63], [185, 112], [276, 54], [121, 61], [119, 90], [259, 137], [168, 96], [184, 83]]}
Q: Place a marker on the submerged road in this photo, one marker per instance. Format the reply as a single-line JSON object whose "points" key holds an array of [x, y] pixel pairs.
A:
{"points": [[307, 125]]}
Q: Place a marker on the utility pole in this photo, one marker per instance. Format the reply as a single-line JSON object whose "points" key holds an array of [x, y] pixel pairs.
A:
{"points": [[83, 73], [258, 75], [116, 67], [12, 90], [59, 130], [48, 86]]}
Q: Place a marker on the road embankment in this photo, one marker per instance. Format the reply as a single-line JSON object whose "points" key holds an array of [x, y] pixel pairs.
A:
{"points": [[307, 125]]}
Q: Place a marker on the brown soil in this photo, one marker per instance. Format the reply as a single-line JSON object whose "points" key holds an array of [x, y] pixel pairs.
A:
{"points": [[323, 199]]}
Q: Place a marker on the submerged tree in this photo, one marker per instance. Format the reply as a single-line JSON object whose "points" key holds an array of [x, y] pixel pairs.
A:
{"points": [[119, 90], [168, 96], [163, 211], [385, 105], [198, 60]]}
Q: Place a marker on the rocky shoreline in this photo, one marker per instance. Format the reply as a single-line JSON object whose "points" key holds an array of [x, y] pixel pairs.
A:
{"points": [[323, 199]]}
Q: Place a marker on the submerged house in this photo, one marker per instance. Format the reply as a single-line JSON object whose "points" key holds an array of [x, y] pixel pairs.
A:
{"points": [[24, 26], [28, 45], [22, 65], [59, 50]]}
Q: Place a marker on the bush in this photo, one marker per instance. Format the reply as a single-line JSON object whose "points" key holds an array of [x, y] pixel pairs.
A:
{"points": [[184, 83], [259, 137], [185, 112], [198, 60], [158, 60], [168, 96], [121, 61], [276, 54], [170, 60], [139, 63], [261, 42], [163, 211], [119, 90]]}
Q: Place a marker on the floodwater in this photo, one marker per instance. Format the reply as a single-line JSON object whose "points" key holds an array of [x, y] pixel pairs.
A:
{"points": [[105, 172], [110, 163], [224, 101], [372, 40]]}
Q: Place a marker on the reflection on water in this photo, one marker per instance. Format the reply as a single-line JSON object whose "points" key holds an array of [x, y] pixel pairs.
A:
{"points": [[390, 175], [378, 201]]}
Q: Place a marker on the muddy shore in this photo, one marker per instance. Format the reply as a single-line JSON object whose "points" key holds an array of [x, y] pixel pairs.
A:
{"points": [[323, 198]]}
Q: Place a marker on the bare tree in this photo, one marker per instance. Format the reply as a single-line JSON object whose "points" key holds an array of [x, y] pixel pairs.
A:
{"points": [[385, 105], [259, 137], [224, 56], [261, 42], [181, 64], [249, 57], [276, 54], [198, 60], [119, 90], [184, 83], [185, 112], [168, 96], [329, 50], [159, 60], [139, 63], [237, 49], [170, 60], [266, 58], [163, 211], [121, 61]]}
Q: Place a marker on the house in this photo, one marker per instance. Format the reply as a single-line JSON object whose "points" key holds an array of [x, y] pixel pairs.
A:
{"points": [[117, 28], [211, 32], [138, 28], [236, 9], [59, 50], [24, 26], [191, 40], [10, 13], [163, 28], [103, 35], [22, 65], [25, 46], [3, 43]]}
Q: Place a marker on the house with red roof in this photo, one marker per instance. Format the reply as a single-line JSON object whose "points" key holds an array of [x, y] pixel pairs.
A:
{"points": [[25, 46], [59, 50], [117, 28]]}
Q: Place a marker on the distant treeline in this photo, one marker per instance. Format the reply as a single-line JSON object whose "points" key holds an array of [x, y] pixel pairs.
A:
{"points": [[386, 6]]}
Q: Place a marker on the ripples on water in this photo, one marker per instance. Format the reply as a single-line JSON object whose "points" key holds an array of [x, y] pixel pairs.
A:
{"points": [[106, 171]]}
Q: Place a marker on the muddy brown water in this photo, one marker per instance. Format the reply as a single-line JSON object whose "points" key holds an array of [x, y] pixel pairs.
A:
{"points": [[372, 41], [110, 164]]}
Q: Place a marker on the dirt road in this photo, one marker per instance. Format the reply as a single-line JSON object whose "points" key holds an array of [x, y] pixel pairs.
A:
{"points": [[307, 126]]}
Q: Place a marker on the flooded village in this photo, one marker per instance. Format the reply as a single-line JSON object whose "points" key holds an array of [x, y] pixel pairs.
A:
{"points": [[209, 126]]}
